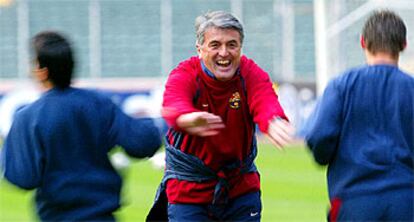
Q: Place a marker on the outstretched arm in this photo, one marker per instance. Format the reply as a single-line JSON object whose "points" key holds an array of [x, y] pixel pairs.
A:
{"points": [[323, 127], [264, 105], [140, 137], [180, 91], [178, 108]]}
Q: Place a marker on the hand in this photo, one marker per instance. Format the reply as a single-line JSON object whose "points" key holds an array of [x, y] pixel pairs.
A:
{"points": [[200, 123], [280, 133]]}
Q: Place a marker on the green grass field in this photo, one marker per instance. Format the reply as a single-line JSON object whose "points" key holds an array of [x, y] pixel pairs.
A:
{"points": [[293, 189]]}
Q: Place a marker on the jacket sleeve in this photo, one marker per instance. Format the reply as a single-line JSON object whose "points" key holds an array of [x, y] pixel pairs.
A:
{"points": [[139, 137], [180, 91], [322, 130], [22, 155], [262, 99]]}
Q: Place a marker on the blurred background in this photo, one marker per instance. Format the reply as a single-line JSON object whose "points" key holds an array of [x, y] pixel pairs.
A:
{"points": [[126, 49], [131, 45]]}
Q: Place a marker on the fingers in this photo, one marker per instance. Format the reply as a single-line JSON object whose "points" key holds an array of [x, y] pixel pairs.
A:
{"points": [[274, 142], [200, 123], [281, 133], [196, 119], [209, 118], [207, 130]]}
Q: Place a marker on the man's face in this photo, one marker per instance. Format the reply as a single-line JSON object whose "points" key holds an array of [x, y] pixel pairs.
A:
{"points": [[221, 52]]}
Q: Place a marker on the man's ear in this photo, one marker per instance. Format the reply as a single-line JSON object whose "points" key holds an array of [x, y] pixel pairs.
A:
{"points": [[198, 47], [362, 40], [42, 74], [404, 44]]}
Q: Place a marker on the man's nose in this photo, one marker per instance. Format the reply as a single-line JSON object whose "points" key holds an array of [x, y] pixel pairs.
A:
{"points": [[223, 51]]}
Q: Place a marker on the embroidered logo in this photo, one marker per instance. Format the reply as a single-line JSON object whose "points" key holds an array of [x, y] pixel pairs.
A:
{"points": [[234, 100]]}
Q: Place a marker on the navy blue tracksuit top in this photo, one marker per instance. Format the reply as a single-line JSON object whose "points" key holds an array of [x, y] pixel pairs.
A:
{"points": [[59, 146], [363, 128]]}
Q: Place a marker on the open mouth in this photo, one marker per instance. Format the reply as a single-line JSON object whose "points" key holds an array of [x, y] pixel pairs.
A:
{"points": [[223, 63]]}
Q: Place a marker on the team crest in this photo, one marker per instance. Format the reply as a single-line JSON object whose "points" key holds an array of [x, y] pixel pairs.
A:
{"points": [[234, 101]]}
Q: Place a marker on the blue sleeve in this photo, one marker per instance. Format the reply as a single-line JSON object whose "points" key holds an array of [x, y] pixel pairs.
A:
{"points": [[140, 137], [22, 155], [322, 129]]}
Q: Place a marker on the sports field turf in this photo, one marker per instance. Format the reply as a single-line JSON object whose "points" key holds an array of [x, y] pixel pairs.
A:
{"points": [[293, 189]]}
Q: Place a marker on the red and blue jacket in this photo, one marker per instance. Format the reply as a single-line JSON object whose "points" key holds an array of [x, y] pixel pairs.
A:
{"points": [[243, 101]]}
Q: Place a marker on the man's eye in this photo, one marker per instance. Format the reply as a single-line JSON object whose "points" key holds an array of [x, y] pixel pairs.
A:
{"points": [[233, 45], [214, 45]]}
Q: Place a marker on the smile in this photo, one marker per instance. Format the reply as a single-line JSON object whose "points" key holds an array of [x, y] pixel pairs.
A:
{"points": [[223, 62]]}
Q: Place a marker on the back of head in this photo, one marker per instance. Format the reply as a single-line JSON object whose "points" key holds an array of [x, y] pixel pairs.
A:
{"points": [[54, 52], [217, 19], [384, 31]]}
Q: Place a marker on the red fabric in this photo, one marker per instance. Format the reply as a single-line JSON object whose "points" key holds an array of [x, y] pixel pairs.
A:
{"points": [[196, 193], [262, 99], [228, 100], [334, 212], [181, 88]]}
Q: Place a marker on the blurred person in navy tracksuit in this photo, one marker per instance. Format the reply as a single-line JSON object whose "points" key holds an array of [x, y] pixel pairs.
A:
{"points": [[363, 129], [59, 144]]}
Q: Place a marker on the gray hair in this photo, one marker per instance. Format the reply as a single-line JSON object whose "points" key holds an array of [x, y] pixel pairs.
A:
{"points": [[217, 19]]}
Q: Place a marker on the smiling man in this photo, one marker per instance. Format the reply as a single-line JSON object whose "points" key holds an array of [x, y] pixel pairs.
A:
{"points": [[212, 103]]}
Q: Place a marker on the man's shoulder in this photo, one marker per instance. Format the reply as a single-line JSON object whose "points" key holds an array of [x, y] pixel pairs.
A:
{"points": [[406, 76], [246, 62], [27, 111], [349, 74], [89, 94], [250, 70], [191, 62], [367, 71], [189, 68], [72, 98], [354, 71]]}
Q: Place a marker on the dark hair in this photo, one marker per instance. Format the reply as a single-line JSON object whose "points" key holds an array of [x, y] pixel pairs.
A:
{"points": [[384, 31], [53, 51]]}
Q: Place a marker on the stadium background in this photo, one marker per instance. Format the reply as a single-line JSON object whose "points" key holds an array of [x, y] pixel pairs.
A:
{"points": [[126, 48]]}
